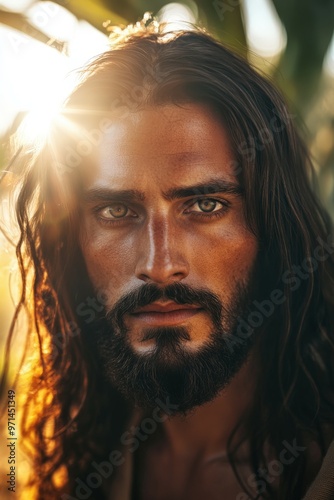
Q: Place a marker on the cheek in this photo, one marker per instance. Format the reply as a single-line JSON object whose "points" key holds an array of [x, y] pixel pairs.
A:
{"points": [[219, 258], [223, 261], [108, 263]]}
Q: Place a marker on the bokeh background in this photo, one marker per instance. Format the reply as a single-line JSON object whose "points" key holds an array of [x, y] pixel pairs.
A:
{"points": [[42, 42]]}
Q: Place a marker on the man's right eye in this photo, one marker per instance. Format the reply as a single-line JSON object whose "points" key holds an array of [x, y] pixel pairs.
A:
{"points": [[115, 211]]}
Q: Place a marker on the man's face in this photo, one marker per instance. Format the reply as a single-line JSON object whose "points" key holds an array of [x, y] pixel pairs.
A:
{"points": [[163, 234]]}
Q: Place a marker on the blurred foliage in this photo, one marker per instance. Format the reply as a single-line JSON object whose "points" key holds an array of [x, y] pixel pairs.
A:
{"points": [[309, 26], [222, 18], [94, 11]]}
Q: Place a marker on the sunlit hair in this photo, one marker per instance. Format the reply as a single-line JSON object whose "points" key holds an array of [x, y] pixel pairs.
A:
{"points": [[71, 416]]}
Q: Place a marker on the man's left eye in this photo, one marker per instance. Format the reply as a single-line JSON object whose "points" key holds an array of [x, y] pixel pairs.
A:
{"points": [[207, 205]]}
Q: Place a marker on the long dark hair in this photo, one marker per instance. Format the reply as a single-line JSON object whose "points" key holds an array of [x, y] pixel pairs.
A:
{"points": [[70, 416]]}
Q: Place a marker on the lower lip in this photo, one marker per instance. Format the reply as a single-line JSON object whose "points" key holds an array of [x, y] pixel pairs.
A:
{"points": [[154, 318]]}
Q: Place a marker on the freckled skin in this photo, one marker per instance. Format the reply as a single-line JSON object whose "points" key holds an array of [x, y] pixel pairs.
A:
{"points": [[161, 240]]}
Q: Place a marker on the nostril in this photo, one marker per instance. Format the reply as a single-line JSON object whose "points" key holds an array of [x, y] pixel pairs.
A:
{"points": [[161, 276]]}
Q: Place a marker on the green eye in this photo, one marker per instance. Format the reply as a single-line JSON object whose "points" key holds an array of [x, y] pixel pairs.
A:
{"points": [[207, 205], [117, 211]]}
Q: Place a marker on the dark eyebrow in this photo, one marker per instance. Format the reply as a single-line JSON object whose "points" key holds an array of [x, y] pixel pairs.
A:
{"points": [[130, 195], [210, 187], [108, 194]]}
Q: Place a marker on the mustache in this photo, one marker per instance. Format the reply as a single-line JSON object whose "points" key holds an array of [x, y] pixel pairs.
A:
{"points": [[166, 336], [179, 293]]}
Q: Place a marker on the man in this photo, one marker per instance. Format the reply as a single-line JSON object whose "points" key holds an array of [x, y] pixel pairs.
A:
{"points": [[183, 284]]}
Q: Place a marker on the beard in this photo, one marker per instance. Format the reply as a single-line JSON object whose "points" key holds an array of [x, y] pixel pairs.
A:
{"points": [[171, 371]]}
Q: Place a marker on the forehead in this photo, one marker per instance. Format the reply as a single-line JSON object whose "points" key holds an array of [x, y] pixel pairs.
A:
{"points": [[169, 144]]}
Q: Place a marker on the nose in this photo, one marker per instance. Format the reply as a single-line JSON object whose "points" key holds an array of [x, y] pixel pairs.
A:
{"points": [[161, 258]]}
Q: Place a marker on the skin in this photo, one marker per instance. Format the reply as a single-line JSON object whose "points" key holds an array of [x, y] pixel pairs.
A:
{"points": [[200, 240]]}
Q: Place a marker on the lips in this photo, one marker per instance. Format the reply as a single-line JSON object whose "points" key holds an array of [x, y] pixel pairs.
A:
{"points": [[164, 307], [165, 313]]}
